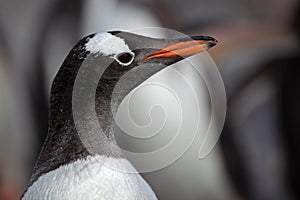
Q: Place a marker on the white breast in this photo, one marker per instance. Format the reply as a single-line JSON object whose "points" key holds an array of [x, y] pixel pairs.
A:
{"points": [[93, 178]]}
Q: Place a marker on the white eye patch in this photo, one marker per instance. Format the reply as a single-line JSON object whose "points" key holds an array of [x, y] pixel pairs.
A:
{"points": [[107, 44]]}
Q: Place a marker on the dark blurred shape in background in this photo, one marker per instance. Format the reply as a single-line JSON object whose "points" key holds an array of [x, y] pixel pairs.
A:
{"points": [[258, 56]]}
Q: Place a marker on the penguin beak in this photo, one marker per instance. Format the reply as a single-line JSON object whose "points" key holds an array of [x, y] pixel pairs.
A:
{"points": [[184, 47]]}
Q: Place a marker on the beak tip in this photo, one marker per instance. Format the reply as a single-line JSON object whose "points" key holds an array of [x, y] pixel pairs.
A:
{"points": [[208, 40], [212, 44]]}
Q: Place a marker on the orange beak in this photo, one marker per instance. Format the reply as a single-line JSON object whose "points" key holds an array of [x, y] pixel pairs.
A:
{"points": [[185, 47]]}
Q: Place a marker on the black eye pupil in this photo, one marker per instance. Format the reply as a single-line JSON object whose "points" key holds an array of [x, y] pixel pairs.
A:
{"points": [[125, 57]]}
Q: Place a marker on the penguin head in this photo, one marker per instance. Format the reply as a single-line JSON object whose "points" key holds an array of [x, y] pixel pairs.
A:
{"points": [[125, 51]]}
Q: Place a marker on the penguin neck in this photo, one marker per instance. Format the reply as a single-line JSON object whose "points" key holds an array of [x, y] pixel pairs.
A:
{"points": [[63, 144], [83, 131]]}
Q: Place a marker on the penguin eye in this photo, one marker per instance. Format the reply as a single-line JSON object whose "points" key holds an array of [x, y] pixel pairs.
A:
{"points": [[125, 58]]}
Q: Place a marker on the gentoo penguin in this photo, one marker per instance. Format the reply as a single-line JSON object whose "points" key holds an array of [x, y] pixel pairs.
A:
{"points": [[70, 168]]}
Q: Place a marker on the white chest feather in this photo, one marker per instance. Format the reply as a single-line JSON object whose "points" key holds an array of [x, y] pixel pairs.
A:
{"points": [[93, 178]]}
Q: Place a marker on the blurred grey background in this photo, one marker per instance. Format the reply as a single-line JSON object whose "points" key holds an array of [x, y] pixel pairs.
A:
{"points": [[257, 156]]}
